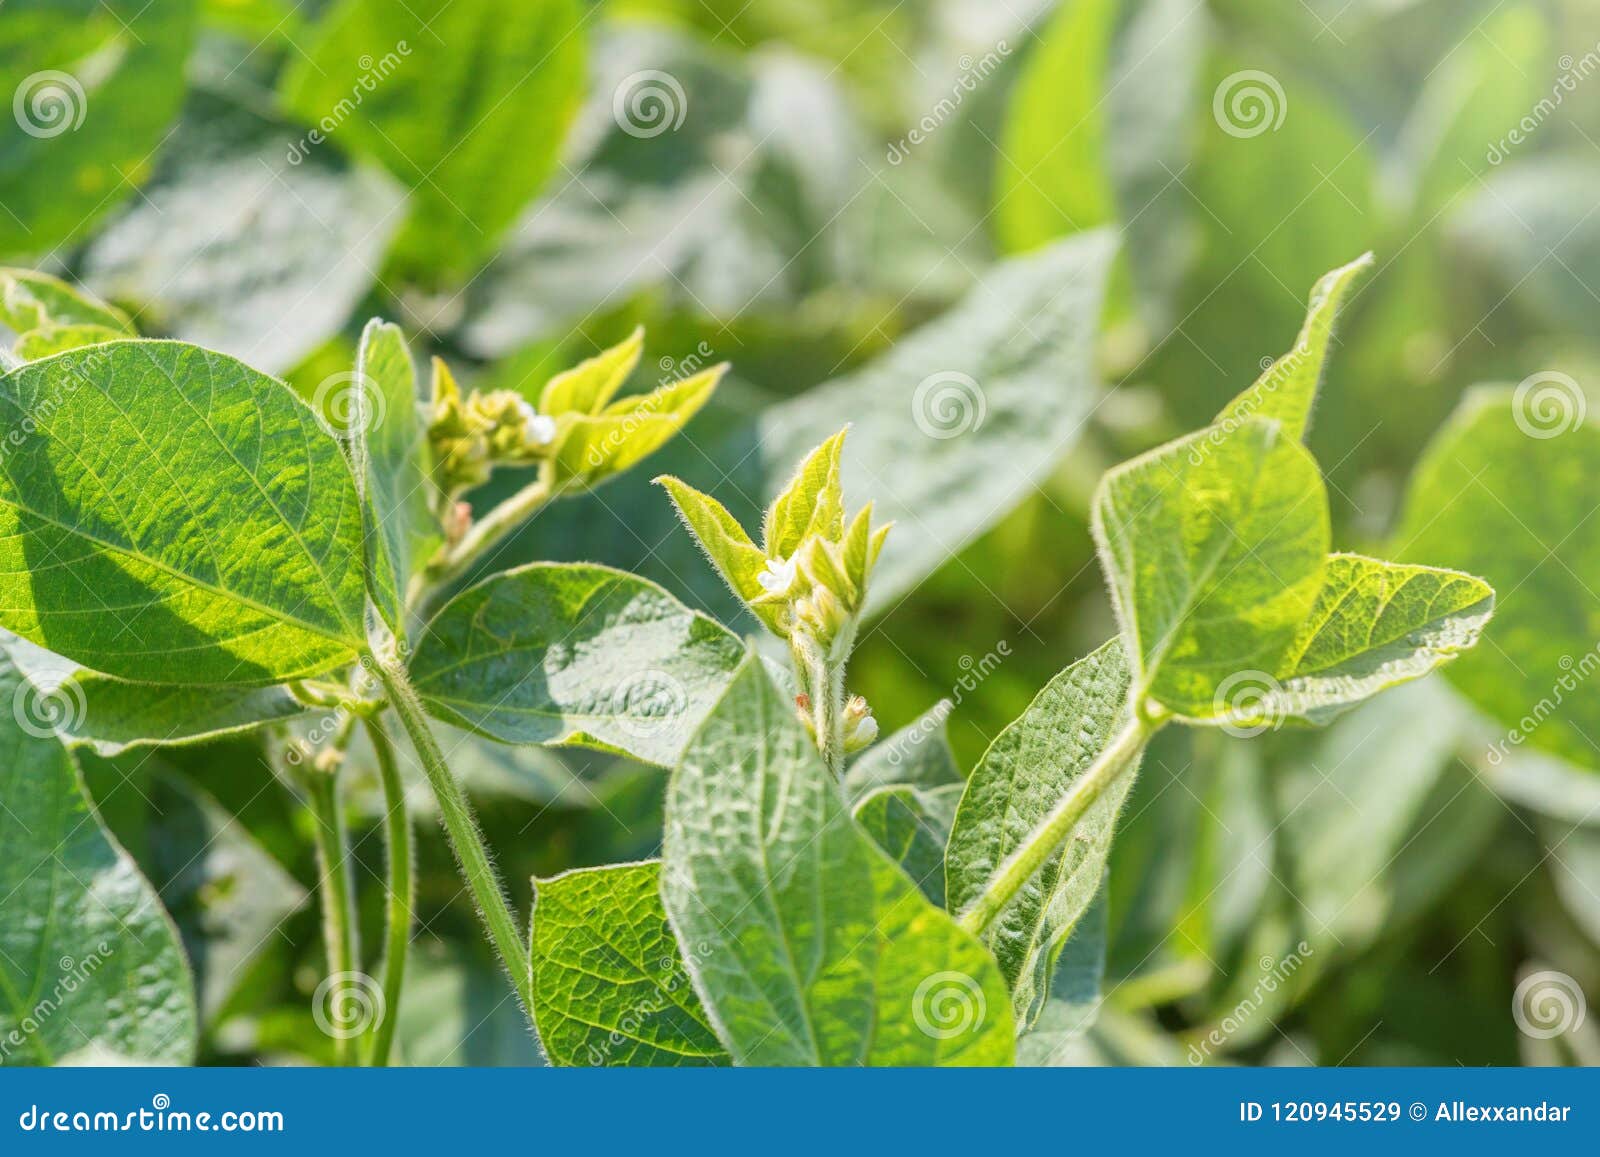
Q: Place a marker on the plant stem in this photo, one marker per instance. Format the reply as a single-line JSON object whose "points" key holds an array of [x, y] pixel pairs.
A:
{"points": [[337, 892], [465, 839], [488, 532], [828, 700], [397, 829], [1109, 766]]}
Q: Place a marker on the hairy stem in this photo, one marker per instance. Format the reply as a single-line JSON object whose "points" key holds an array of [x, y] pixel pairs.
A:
{"points": [[489, 531], [466, 841], [336, 886], [1108, 767], [397, 940]]}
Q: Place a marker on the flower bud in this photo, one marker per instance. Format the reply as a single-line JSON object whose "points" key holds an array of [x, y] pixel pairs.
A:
{"points": [[860, 728]]}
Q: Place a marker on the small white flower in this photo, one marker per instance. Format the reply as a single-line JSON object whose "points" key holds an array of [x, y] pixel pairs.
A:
{"points": [[537, 429], [866, 731], [778, 577]]}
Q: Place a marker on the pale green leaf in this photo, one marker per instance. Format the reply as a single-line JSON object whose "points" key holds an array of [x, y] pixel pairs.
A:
{"points": [[552, 653], [608, 980], [31, 300], [589, 386], [1027, 769], [811, 504], [591, 448], [1504, 492], [816, 948], [465, 101], [176, 517], [717, 533], [1287, 389], [912, 825], [55, 339], [1214, 547], [89, 961]]}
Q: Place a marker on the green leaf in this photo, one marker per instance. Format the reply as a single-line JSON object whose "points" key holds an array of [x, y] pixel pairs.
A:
{"points": [[552, 653], [1213, 546], [816, 948], [94, 86], [1075, 999], [811, 504], [176, 517], [716, 532], [1007, 377], [244, 243], [1374, 626], [30, 300], [591, 448], [1502, 492], [1287, 389], [1027, 769], [465, 101], [918, 755], [110, 715], [1098, 124], [55, 339], [609, 983], [389, 452], [459, 1009], [912, 826], [589, 387], [89, 962]]}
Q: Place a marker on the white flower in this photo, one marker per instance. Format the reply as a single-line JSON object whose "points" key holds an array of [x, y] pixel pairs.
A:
{"points": [[778, 577], [866, 731], [537, 429]]}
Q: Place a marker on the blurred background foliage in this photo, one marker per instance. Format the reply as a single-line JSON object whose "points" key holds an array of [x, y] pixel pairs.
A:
{"points": [[824, 177]]}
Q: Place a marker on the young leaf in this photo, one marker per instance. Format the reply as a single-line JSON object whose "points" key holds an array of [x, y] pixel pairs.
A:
{"points": [[55, 339], [31, 300], [1027, 769], [725, 543], [591, 448], [588, 387], [1374, 626], [1501, 492], [1213, 546], [552, 653], [1287, 389], [469, 108], [110, 715], [88, 959], [175, 516], [811, 947], [912, 826], [609, 983], [811, 504]]}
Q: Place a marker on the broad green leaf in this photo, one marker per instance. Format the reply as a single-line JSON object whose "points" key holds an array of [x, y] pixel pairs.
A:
{"points": [[1287, 389], [591, 448], [224, 891], [465, 101], [93, 87], [1098, 124], [55, 339], [389, 448], [1213, 546], [609, 983], [912, 825], [89, 962], [588, 387], [811, 946], [1374, 626], [918, 755], [1075, 999], [811, 504], [30, 300], [1027, 769], [553, 653], [1503, 492], [963, 419], [111, 715], [176, 517], [244, 244]]}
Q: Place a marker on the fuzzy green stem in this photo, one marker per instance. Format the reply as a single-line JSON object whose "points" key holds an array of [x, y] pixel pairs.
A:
{"points": [[336, 886], [1110, 765], [397, 828], [489, 531], [465, 839]]}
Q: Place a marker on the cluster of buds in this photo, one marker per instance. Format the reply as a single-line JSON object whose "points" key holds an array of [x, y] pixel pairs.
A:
{"points": [[860, 728], [471, 434]]}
